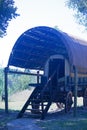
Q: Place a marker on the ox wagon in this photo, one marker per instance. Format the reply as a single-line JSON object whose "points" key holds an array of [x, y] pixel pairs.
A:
{"points": [[63, 60]]}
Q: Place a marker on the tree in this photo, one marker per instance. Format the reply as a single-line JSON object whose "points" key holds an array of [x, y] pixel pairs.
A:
{"points": [[7, 13], [80, 7]]}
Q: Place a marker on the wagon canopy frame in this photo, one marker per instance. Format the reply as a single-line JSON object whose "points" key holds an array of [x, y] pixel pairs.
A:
{"points": [[34, 47]]}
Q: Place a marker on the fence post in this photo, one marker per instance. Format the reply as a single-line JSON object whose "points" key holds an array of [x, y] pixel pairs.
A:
{"points": [[6, 89], [75, 90], [37, 77]]}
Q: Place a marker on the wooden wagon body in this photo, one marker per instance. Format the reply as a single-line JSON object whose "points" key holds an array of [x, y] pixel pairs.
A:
{"points": [[61, 57], [63, 78]]}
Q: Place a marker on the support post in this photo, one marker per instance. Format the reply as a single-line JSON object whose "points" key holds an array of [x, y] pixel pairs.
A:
{"points": [[37, 77], [75, 90], [6, 89]]}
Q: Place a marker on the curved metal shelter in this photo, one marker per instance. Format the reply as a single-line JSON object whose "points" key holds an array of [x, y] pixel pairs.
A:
{"points": [[34, 47]]}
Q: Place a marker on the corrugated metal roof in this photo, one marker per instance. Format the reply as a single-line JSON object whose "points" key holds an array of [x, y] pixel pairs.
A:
{"points": [[34, 47]]}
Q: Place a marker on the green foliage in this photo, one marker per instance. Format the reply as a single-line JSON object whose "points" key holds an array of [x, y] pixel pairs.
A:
{"points": [[15, 82], [7, 13], [80, 7], [19, 82]]}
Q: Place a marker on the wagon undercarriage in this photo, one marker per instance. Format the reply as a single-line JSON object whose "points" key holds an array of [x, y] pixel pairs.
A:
{"points": [[45, 93]]}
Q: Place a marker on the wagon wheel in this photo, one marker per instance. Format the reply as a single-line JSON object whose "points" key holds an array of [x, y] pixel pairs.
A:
{"points": [[69, 102]]}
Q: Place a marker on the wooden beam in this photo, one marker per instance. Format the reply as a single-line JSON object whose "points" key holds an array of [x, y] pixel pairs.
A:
{"points": [[75, 90], [6, 89], [37, 77], [23, 73]]}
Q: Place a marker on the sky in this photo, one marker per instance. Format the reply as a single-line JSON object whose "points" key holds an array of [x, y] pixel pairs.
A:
{"points": [[39, 13]]}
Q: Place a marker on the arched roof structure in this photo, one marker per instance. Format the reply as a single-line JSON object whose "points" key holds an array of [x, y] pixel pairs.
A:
{"points": [[34, 47]]}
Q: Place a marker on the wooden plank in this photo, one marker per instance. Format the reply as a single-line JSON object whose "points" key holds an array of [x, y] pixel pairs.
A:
{"points": [[23, 73]]}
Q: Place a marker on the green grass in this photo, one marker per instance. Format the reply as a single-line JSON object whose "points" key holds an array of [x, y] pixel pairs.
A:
{"points": [[64, 125], [79, 123], [5, 118]]}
